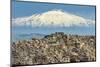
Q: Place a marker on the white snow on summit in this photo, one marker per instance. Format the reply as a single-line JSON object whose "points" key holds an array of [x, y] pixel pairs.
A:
{"points": [[54, 18]]}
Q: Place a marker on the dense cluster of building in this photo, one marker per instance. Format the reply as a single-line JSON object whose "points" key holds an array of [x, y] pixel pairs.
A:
{"points": [[54, 48]]}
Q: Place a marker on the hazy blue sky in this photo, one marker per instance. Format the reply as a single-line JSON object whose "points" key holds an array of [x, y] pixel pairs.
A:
{"points": [[21, 9]]}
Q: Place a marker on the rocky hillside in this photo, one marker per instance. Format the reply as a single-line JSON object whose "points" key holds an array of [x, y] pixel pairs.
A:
{"points": [[55, 48]]}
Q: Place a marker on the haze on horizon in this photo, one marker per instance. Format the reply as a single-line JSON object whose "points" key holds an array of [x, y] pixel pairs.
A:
{"points": [[47, 18]]}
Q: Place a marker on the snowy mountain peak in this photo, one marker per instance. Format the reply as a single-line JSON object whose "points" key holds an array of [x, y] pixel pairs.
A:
{"points": [[54, 18]]}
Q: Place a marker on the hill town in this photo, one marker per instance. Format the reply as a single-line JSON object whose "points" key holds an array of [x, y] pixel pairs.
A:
{"points": [[57, 47]]}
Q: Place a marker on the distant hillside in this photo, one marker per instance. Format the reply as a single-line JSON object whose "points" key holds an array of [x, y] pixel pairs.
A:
{"points": [[34, 35]]}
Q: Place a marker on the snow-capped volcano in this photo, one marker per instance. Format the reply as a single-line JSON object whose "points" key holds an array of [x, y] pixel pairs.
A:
{"points": [[54, 18]]}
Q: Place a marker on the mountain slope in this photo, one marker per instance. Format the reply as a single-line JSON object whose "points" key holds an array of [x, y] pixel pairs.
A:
{"points": [[54, 18]]}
